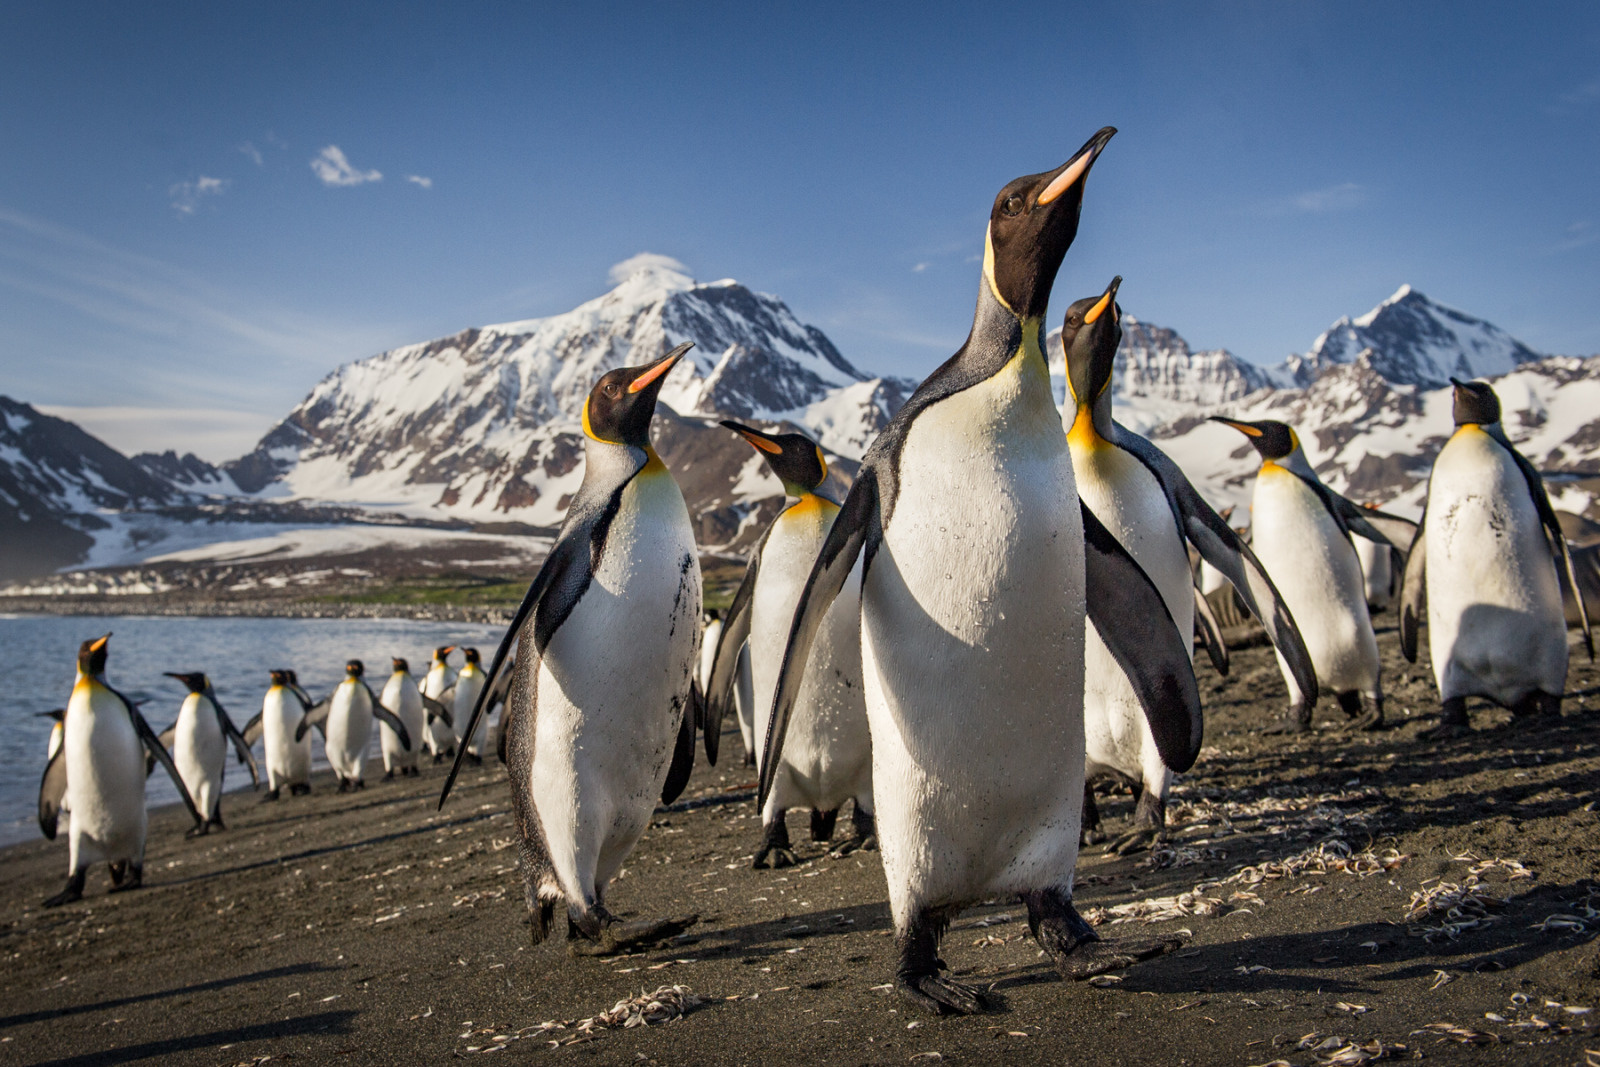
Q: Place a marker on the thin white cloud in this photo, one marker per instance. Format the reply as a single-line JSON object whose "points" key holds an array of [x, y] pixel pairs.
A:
{"points": [[133, 303], [251, 152], [186, 196], [1342, 197], [334, 169], [1587, 93], [919, 268], [644, 262], [417, 179]]}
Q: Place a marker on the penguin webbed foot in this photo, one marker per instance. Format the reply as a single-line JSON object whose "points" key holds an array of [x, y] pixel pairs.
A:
{"points": [[1098, 957], [775, 852], [269, 796], [864, 838], [1139, 839], [133, 878], [917, 978], [615, 938], [1452, 721], [1296, 720], [198, 831], [1149, 825], [298, 790], [73, 891], [1363, 711], [822, 824]]}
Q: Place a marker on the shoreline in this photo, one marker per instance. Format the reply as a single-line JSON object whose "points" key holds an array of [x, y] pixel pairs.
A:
{"points": [[160, 605]]}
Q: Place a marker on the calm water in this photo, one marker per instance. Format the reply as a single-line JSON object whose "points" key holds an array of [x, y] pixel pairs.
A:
{"points": [[38, 655]]}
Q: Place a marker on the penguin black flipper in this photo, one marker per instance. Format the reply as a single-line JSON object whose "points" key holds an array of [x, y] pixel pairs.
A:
{"points": [[154, 747], [1414, 592], [389, 719], [1210, 633], [1132, 619], [1376, 526], [682, 760], [253, 730], [316, 715], [52, 790], [724, 678], [231, 732], [857, 527], [1219, 546], [1559, 549], [437, 710]]}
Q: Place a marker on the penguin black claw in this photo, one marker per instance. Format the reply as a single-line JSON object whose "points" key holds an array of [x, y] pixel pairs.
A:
{"points": [[1098, 957], [619, 938], [73, 891]]}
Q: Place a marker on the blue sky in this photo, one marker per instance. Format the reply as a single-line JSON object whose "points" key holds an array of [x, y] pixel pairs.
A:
{"points": [[206, 207]]}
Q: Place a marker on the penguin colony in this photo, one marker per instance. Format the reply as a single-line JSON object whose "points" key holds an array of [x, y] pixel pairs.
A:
{"points": [[1000, 610]]}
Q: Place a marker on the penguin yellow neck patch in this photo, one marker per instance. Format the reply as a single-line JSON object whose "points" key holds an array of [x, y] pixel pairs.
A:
{"points": [[1083, 433], [988, 270], [652, 464]]}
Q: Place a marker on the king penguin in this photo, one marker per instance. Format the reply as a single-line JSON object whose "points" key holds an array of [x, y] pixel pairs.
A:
{"points": [[464, 696], [403, 698], [345, 718], [600, 716], [1148, 505], [98, 778], [200, 740], [1301, 531], [827, 754], [977, 563], [288, 760], [436, 684], [1485, 566]]}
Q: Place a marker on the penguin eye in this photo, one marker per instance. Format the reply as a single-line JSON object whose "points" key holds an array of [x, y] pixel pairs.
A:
{"points": [[613, 390], [1012, 205]]}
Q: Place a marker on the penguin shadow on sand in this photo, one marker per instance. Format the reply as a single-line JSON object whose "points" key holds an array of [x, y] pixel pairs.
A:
{"points": [[1322, 961]]}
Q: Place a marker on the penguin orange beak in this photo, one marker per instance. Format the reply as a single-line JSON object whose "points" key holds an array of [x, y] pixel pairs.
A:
{"points": [[98, 645], [1109, 300], [447, 650], [659, 367], [1243, 427], [756, 438], [1076, 169]]}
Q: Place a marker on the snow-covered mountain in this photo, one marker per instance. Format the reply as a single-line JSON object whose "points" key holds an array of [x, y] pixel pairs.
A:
{"points": [[484, 425], [59, 487], [1412, 341]]}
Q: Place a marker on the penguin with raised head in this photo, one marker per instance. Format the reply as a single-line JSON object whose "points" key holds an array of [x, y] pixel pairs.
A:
{"points": [[464, 691], [1152, 510], [57, 717], [98, 778], [345, 718], [827, 753], [599, 716], [440, 735], [1486, 567], [978, 562], [288, 760], [402, 697], [1301, 531], [200, 740]]}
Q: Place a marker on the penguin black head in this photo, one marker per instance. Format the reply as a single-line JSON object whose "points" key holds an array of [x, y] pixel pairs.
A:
{"points": [[1475, 403], [471, 654], [442, 653], [1032, 224], [401, 666], [712, 615], [622, 402], [793, 457], [1089, 337], [294, 679], [194, 680], [280, 678], [354, 668], [58, 714], [92, 657], [1273, 440]]}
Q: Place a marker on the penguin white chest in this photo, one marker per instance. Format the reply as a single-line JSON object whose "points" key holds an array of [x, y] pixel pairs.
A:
{"points": [[826, 750], [613, 685], [1130, 502], [349, 729], [404, 699], [1318, 575], [288, 760], [1496, 625], [105, 777], [972, 648], [200, 750]]}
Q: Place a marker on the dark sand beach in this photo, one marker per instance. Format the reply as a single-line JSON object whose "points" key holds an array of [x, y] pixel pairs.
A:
{"points": [[1346, 894]]}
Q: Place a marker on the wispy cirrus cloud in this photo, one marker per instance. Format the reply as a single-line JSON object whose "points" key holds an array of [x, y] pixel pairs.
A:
{"points": [[186, 196], [251, 152], [645, 261], [1342, 197], [417, 179], [333, 168]]}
